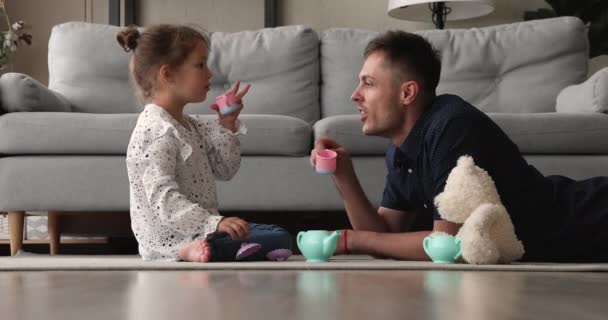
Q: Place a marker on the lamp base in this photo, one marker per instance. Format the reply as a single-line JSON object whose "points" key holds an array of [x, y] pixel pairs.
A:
{"points": [[439, 12]]}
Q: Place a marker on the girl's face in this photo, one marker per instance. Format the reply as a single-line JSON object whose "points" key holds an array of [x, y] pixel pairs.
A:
{"points": [[193, 76]]}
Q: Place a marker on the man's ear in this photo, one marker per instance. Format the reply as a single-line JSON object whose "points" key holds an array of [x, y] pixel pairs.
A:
{"points": [[409, 92]]}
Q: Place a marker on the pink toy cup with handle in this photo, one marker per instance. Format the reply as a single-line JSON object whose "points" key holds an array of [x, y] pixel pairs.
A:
{"points": [[227, 103], [326, 161]]}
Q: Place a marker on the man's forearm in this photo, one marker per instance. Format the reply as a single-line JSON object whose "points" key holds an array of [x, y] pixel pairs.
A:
{"points": [[362, 215], [402, 246]]}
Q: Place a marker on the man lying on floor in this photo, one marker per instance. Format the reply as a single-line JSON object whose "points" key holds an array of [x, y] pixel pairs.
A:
{"points": [[556, 218]]}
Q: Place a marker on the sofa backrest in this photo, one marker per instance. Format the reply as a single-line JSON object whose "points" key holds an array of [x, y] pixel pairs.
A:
{"points": [[512, 68], [89, 68]]}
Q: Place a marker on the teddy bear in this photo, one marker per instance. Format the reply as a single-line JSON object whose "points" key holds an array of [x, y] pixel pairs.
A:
{"points": [[470, 198]]}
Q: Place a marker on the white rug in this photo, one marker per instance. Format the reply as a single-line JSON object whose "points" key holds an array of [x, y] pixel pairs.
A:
{"points": [[31, 262]]}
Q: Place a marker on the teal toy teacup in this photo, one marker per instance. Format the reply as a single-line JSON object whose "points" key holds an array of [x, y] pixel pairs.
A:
{"points": [[317, 245], [442, 248]]}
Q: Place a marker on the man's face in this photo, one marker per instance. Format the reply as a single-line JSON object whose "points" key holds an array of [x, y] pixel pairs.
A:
{"points": [[378, 97]]}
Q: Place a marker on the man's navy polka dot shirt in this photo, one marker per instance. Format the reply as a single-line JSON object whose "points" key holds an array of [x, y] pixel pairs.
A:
{"points": [[447, 130], [557, 218]]}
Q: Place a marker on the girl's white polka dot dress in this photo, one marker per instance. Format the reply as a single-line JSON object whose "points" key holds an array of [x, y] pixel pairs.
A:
{"points": [[172, 172]]}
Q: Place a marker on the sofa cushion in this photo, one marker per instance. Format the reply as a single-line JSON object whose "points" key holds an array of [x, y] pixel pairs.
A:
{"points": [[109, 134], [589, 96], [100, 183], [479, 64], [22, 93], [538, 133], [88, 67], [282, 64]]}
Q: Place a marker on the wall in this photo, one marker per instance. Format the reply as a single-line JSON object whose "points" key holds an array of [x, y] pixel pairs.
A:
{"points": [[371, 15], [234, 15], [41, 16], [366, 14], [212, 15]]}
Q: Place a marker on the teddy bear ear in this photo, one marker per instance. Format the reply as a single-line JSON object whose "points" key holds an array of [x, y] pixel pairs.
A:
{"points": [[465, 161]]}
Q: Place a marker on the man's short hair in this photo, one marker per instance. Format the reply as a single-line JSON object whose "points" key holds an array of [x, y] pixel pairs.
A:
{"points": [[413, 55]]}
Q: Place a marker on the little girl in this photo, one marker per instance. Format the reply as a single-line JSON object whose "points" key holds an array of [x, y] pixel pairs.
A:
{"points": [[173, 159]]}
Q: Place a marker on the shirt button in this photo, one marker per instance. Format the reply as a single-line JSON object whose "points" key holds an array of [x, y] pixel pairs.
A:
{"points": [[409, 170]]}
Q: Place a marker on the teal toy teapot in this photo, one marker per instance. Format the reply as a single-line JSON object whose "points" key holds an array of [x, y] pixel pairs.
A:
{"points": [[317, 245], [442, 247]]}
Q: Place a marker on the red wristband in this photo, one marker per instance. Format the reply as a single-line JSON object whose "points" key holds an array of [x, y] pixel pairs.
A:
{"points": [[345, 233]]}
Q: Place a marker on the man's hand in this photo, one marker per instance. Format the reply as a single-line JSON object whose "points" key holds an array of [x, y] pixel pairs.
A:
{"points": [[344, 164], [360, 212], [237, 228]]}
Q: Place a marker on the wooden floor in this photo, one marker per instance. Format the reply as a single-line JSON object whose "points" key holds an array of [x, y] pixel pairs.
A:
{"points": [[310, 295]]}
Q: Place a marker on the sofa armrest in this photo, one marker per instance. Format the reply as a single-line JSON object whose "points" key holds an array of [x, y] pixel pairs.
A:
{"points": [[22, 93], [589, 96]]}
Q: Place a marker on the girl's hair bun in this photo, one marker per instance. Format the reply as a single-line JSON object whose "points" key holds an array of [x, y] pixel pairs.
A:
{"points": [[128, 38]]}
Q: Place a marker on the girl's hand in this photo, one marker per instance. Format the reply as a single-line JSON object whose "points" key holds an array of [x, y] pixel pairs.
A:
{"points": [[237, 228], [228, 121]]}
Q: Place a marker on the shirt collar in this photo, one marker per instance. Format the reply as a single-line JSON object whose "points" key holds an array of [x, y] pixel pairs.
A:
{"points": [[168, 118], [413, 143]]}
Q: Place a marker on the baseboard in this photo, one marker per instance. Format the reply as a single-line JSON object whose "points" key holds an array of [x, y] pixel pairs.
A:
{"points": [[101, 240]]}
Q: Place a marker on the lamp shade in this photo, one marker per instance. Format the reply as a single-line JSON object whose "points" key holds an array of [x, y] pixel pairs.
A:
{"points": [[418, 10]]}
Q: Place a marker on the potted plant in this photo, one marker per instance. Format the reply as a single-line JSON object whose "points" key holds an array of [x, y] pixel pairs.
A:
{"points": [[12, 37], [594, 14]]}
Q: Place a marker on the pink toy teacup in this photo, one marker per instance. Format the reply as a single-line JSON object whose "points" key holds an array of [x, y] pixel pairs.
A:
{"points": [[227, 103], [326, 161]]}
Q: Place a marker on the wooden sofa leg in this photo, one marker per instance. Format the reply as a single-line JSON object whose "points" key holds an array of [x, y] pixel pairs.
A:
{"points": [[54, 232], [15, 227]]}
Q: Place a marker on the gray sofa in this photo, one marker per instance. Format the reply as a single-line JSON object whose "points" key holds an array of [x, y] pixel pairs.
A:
{"points": [[65, 150]]}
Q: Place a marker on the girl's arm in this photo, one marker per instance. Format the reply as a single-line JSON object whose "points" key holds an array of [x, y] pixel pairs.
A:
{"points": [[221, 135], [224, 148]]}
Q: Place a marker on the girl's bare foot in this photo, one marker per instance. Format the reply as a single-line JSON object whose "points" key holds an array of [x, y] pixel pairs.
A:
{"points": [[195, 251]]}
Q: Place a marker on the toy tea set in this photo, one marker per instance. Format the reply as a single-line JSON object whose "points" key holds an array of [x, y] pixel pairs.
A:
{"points": [[315, 245], [227, 103]]}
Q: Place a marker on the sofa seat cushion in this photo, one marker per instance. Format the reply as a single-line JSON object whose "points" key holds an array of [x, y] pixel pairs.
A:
{"points": [[108, 134], [536, 133]]}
